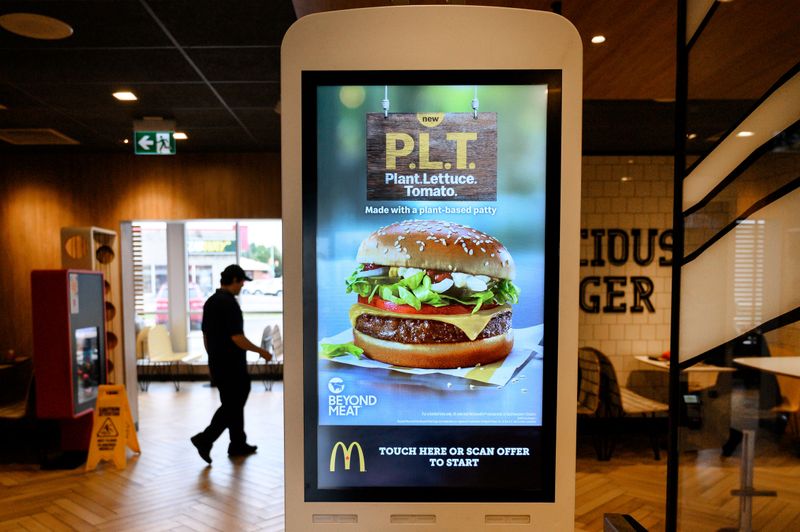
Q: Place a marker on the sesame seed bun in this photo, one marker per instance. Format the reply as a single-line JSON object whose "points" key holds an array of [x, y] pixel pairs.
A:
{"points": [[437, 245]]}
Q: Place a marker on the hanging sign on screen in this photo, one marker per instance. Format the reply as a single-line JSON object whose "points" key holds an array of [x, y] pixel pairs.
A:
{"points": [[432, 156]]}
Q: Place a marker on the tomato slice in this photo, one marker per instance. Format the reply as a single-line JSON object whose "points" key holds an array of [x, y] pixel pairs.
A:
{"points": [[426, 309]]}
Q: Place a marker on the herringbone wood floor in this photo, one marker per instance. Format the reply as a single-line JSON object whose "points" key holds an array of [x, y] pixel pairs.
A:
{"points": [[168, 487]]}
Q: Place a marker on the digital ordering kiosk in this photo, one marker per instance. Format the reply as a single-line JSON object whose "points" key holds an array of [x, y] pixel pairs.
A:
{"points": [[431, 199]]}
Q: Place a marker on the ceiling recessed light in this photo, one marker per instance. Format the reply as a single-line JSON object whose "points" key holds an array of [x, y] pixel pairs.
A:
{"points": [[691, 136], [35, 26], [598, 39], [745, 134], [625, 178], [125, 96], [125, 141], [180, 135]]}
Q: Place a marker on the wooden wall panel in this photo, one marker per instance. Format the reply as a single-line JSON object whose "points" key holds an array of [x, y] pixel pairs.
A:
{"points": [[42, 193]]}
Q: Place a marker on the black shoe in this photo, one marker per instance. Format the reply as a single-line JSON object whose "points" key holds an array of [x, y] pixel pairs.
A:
{"points": [[244, 449], [203, 448], [734, 439]]}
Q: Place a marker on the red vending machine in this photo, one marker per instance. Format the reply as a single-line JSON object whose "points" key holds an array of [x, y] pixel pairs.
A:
{"points": [[69, 349]]}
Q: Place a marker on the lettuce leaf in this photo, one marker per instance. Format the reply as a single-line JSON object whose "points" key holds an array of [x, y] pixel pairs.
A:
{"points": [[416, 291], [337, 350]]}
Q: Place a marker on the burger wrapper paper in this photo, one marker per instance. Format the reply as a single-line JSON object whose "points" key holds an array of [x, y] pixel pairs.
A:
{"points": [[526, 345]]}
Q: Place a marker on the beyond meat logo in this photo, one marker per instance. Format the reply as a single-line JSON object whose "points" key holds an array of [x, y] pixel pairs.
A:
{"points": [[336, 385], [341, 405]]}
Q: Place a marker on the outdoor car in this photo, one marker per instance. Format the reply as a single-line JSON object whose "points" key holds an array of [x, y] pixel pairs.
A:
{"points": [[272, 286], [196, 301]]}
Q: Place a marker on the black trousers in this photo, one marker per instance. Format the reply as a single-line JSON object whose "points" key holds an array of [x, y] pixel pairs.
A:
{"points": [[233, 393]]}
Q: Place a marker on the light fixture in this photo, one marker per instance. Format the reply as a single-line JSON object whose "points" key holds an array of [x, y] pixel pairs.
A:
{"points": [[125, 96], [125, 141], [35, 26], [180, 135], [691, 136], [598, 39], [625, 178], [745, 134]]}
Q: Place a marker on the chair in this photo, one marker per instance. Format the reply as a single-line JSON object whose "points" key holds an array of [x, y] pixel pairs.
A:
{"points": [[160, 354], [15, 389], [588, 382], [277, 344], [142, 362], [618, 401], [272, 370]]}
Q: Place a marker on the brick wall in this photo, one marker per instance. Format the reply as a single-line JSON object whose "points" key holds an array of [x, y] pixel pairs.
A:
{"points": [[643, 200]]}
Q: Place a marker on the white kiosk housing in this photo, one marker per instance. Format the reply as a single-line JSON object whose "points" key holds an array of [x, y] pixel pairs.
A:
{"points": [[431, 201]]}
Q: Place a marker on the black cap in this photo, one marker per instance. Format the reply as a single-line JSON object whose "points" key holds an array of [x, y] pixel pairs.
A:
{"points": [[234, 271]]}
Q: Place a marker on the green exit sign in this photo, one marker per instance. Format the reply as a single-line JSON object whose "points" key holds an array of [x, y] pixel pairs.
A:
{"points": [[154, 143]]}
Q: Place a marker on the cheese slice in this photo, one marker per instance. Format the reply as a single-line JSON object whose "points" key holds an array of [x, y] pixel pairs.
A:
{"points": [[471, 324]]}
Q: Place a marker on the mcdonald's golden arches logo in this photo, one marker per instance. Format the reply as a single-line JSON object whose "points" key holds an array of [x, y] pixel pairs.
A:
{"points": [[347, 451]]}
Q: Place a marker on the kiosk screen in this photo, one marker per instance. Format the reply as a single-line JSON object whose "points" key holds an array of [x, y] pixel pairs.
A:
{"points": [[86, 365], [430, 218]]}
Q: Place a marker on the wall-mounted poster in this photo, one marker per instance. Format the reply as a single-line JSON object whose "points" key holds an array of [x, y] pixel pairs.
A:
{"points": [[430, 271]]}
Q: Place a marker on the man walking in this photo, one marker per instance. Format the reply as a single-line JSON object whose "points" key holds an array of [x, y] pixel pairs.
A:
{"points": [[226, 345]]}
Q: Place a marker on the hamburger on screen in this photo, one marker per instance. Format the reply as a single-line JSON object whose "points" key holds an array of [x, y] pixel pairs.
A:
{"points": [[433, 294]]}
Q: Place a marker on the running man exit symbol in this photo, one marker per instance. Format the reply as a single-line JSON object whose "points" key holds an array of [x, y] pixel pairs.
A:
{"points": [[154, 143], [163, 144]]}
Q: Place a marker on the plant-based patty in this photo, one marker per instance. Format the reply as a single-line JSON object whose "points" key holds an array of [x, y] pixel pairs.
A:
{"points": [[414, 331]]}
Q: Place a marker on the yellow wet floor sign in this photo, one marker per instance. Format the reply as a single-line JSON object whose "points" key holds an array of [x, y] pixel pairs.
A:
{"points": [[112, 429]]}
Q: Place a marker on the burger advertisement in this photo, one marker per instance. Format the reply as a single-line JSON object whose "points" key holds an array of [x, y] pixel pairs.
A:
{"points": [[428, 300]]}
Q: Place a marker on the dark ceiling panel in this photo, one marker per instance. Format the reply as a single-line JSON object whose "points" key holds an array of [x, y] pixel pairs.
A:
{"points": [[270, 138], [13, 98], [218, 139], [78, 96], [193, 118], [35, 118], [264, 94], [225, 22], [238, 64], [90, 134], [96, 23], [95, 65], [259, 118]]}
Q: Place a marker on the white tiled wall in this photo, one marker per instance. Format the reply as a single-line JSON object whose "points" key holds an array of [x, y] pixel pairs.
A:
{"points": [[644, 201]]}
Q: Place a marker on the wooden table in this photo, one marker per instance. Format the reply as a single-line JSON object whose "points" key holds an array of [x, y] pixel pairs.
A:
{"points": [[697, 368], [786, 366], [701, 376]]}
